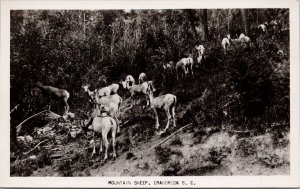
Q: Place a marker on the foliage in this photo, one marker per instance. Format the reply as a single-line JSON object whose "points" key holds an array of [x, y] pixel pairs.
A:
{"points": [[70, 48]]}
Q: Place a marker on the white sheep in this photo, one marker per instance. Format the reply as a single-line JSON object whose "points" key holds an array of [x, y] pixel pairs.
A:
{"points": [[244, 39], [168, 103], [140, 89], [200, 49], [182, 67], [190, 65], [130, 80], [114, 88], [263, 27], [90, 94], [142, 78], [103, 125], [226, 43], [106, 100]]}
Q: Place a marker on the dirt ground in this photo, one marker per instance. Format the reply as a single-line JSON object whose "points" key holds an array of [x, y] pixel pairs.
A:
{"points": [[220, 154]]}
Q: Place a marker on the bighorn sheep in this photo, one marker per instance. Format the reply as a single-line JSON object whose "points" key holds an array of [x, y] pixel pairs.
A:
{"points": [[168, 66], [106, 91], [167, 102], [168, 69], [142, 78], [140, 89], [55, 93], [200, 50], [226, 43], [91, 94], [103, 125], [244, 39], [263, 27], [181, 66], [112, 103], [130, 80]]}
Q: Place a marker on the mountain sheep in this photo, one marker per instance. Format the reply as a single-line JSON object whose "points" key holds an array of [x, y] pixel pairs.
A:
{"points": [[167, 102], [55, 93], [142, 78]]}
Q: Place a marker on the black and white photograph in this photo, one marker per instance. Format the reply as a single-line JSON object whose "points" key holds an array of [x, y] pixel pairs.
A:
{"points": [[166, 92]]}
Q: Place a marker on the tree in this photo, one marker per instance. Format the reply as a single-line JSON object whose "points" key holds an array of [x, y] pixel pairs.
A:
{"points": [[245, 22], [192, 19], [205, 25]]}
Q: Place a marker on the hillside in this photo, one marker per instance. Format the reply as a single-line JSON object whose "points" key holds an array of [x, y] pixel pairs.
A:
{"points": [[232, 114]]}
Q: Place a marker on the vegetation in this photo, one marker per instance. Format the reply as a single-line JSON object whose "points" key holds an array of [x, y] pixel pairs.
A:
{"points": [[244, 89]]}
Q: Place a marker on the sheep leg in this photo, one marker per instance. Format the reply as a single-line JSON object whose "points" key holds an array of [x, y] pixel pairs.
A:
{"points": [[113, 136], [94, 149], [101, 147], [105, 141], [173, 116], [66, 106], [49, 105], [168, 116], [156, 117], [118, 124]]}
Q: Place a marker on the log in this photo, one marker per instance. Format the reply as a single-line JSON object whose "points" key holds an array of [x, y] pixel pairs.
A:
{"points": [[25, 153], [19, 127], [14, 108], [167, 138]]}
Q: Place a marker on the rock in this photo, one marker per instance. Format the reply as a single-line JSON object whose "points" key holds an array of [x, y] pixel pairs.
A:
{"points": [[92, 142], [74, 133], [33, 157], [25, 139], [43, 130]]}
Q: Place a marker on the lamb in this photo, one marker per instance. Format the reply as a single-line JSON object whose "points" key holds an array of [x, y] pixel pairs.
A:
{"points": [[142, 78], [55, 93], [104, 125], [167, 102]]}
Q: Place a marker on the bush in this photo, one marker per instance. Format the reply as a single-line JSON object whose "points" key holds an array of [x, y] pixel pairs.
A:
{"points": [[163, 154]]}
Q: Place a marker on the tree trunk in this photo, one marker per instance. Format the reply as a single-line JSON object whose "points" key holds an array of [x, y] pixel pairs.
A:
{"points": [[205, 25], [192, 20], [245, 23], [228, 20]]}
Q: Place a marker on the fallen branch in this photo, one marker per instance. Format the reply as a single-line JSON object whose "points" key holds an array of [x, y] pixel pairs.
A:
{"points": [[247, 131], [25, 153], [19, 127], [14, 108], [55, 156], [170, 136]]}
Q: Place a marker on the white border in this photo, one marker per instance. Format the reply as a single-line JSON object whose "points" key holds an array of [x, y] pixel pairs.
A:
{"points": [[201, 181]]}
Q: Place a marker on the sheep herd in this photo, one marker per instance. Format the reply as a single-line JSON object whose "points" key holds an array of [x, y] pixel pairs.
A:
{"points": [[107, 102]]}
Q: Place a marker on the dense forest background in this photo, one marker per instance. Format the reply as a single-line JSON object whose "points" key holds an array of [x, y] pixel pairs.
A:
{"points": [[237, 103], [69, 48]]}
